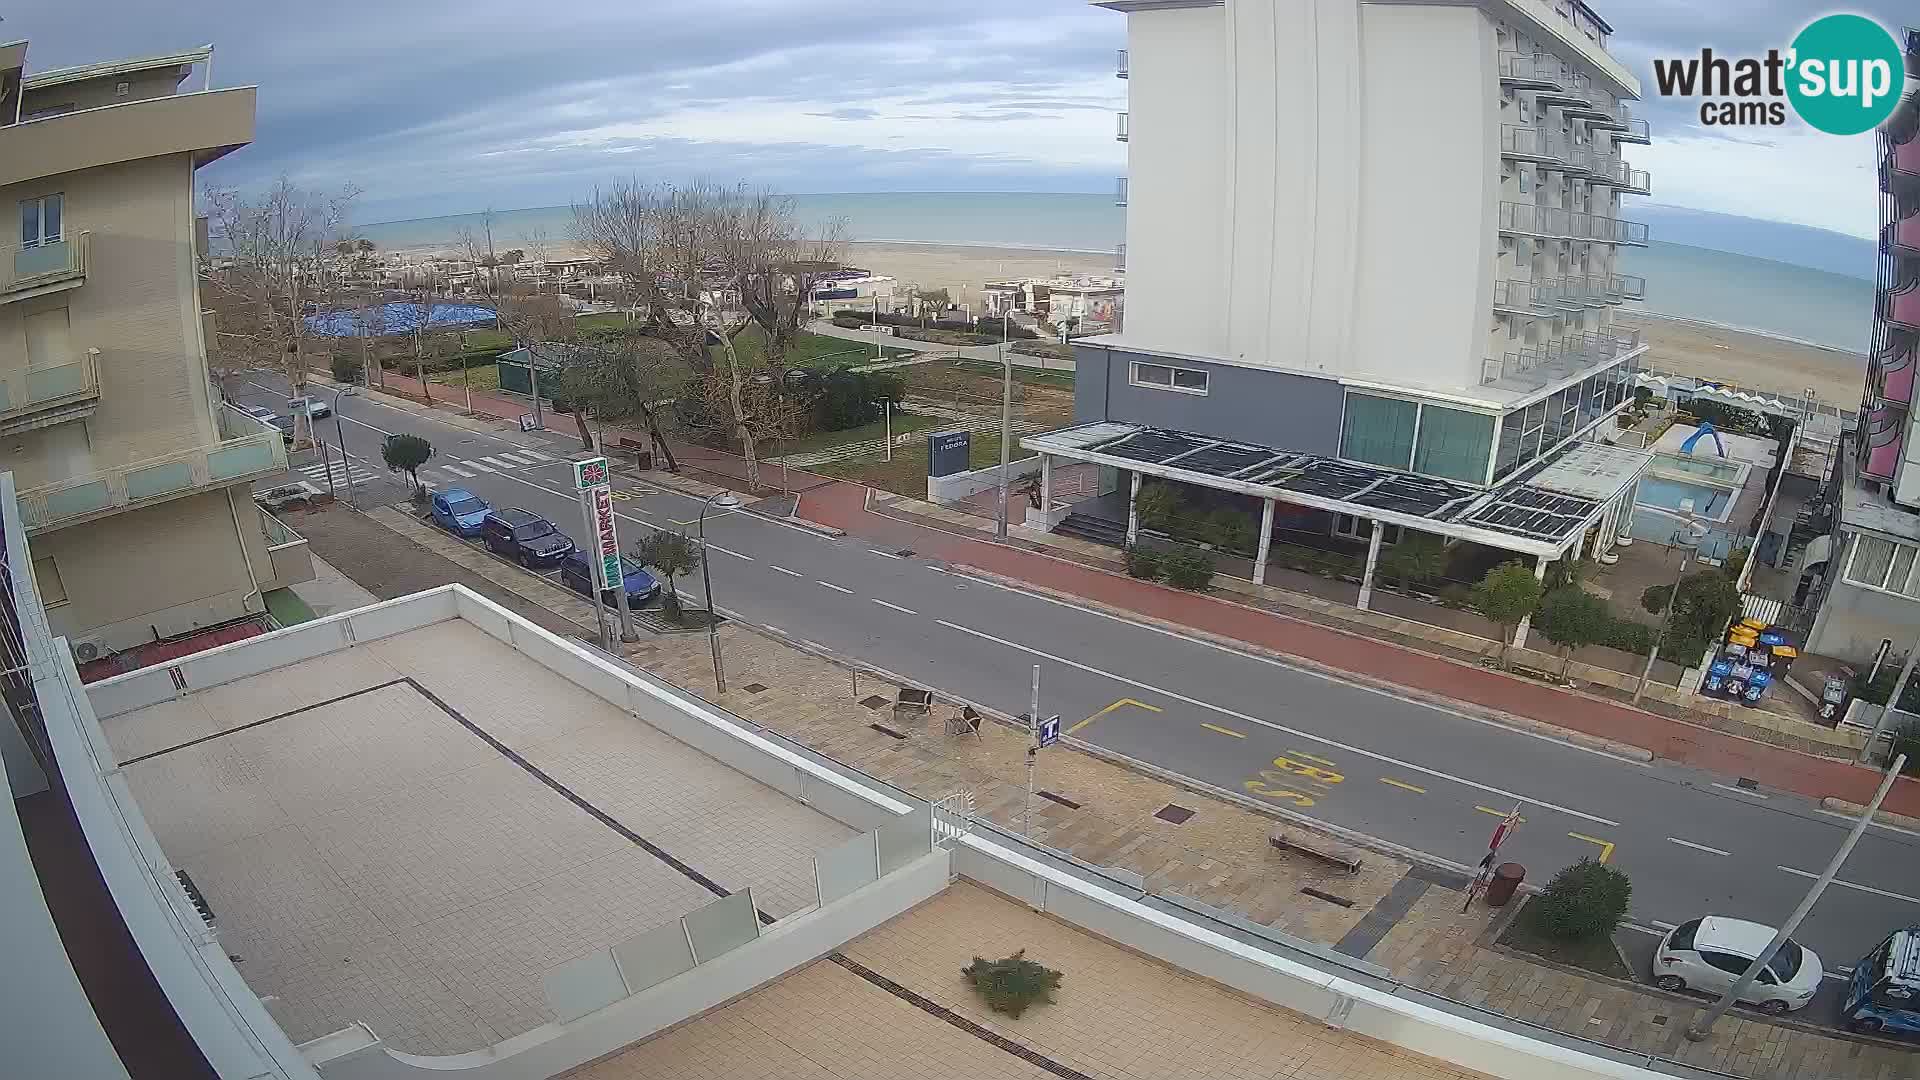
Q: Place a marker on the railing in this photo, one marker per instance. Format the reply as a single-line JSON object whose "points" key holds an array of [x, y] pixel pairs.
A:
{"points": [[1119, 256], [1634, 129], [1120, 65], [1533, 69], [1534, 220], [1903, 235], [1629, 286], [1620, 175], [1120, 126], [1519, 140], [28, 389], [1575, 89], [24, 268], [1120, 191], [1563, 357], [248, 448]]}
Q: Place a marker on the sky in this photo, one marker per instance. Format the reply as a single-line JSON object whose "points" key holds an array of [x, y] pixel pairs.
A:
{"points": [[435, 108]]}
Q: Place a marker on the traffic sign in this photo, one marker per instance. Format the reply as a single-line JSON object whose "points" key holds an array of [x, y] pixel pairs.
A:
{"points": [[1049, 732]]}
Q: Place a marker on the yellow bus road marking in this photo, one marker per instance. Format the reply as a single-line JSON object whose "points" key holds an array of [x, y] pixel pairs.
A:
{"points": [[1606, 846], [1402, 785], [1309, 757], [1224, 731], [1500, 814], [1110, 708]]}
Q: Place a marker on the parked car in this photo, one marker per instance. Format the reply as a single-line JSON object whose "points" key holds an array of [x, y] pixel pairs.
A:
{"points": [[577, 574], [1709, 954], [525, 537], [284, 423], [316, 408], [459, 511], [1884, 992], [258, 412]]}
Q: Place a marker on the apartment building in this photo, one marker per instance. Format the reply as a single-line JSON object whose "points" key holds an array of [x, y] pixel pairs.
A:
{"points": [[133, 475], [1863, 575], [1383, 236]]}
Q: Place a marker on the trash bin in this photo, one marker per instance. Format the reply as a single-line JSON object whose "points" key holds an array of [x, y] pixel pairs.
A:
{"points": [[1506, 878]]}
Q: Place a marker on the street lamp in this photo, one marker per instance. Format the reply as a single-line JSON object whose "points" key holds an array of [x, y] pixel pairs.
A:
{"points": [[725, 500], [1687, 538], [340, 432]]}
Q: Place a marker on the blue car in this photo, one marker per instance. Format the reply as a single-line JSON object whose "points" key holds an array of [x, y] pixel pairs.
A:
{"points": [[459, 511], [641, 586]]}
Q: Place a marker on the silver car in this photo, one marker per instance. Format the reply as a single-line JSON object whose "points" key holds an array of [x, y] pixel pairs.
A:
{"points": [[1709, 954], [316, 408]]}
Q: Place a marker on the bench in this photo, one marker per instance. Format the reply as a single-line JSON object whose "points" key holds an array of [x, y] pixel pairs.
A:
{"points": [[913, 699], [966, 723], [1304, 843]]}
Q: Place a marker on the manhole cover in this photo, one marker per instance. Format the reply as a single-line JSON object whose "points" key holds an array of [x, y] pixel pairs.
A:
{"points": [[875, 701], [1746, 784], [1174, 814], [1659, 1021], [755, 688]]}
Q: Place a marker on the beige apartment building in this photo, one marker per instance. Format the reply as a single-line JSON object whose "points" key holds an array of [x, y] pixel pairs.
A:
{"points": [[133, 476]]}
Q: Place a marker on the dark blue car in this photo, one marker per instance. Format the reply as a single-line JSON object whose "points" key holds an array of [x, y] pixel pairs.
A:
{"points": [[525, 537], [459, 511], [577, 574]]}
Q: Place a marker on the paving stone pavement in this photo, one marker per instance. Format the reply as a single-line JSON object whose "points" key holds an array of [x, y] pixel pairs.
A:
{"points": [[1219, 856]]}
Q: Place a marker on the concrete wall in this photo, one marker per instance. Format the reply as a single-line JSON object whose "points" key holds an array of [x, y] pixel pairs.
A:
{"points": [[1273, 408], [153, 573], [93, 93], [948, 489], [1853, 621]]}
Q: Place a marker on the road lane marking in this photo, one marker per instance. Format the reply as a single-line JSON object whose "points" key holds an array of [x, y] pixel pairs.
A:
{"points": [[1697, 847], [1295, 732], [1606, 846], [896, 607], [456, 470], [364, 424], [1399, 696], [882, 554], [1849, 818], [1496, 813], [1110, 708], [784, 570], [497, 463], [935, 569], [1310, 757], [1663, 925], [1854, 885], [1230, 733], [1390, 781], [482, 468], [1749, 793], [735, 554], [517, 459], [836, 588], [535, 455]]}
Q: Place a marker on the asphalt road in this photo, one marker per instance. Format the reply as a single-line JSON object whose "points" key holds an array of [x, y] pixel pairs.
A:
{"points": [[1422, 777]]}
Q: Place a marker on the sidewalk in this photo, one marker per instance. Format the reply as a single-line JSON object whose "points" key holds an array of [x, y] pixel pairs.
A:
{"points": [[1401, 917]]}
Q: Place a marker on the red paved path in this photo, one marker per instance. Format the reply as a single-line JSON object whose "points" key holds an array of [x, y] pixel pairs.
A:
{"points": [[843, 506]]}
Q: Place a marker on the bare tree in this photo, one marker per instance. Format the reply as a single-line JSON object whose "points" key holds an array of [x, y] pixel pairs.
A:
{"points": [[425, 340], [279, 256]]}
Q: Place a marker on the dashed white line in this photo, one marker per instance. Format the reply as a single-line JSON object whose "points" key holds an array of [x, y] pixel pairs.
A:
{"points": [[896, 607], [456, 470], [882, 554], [730, 551], [784, 570], [836, 588], [500, 464], [1748, 792], [935, 569], [1663, 925], [1697, 847], [1295, 732], [477, 465], [1853, 885], [1851, 818]]}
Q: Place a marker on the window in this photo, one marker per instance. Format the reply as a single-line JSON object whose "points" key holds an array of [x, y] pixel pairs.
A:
{"points": [[40, 220], [1727, 962], [1165, 377], [1359, 528], [1526, 181], [1880, 563], [46, 576], [1379, 431], [1682, 936], [1453, 443]]}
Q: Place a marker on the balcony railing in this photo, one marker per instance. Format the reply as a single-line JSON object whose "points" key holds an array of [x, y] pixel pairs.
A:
{"points": [[1608, 230], [1120, 257], [249, 448], [1120, 64], [1537, 365], [1120, 191], [1532, 70], [1629, 286], [26, 271], [1904, 158], [1623, 177], [1525, 143], [26, 391], [1634, 130], [1120, 126], [1575, 90], [1903, 236], [1528, 219]]}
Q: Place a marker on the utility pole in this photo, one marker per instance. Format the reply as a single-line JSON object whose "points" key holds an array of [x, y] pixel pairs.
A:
{"points": [[1033, 749], [886, 408], [1893, 702], [340, 432], [1666, 617], [1704, 1027], [1006, 426]]}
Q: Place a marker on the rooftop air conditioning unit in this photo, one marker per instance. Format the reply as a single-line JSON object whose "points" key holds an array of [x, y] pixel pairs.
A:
{"points": [[85, 651]]}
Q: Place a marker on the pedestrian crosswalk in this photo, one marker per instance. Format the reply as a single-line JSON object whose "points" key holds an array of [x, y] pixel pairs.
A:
{"points": [[454, 470], [317, 473]]}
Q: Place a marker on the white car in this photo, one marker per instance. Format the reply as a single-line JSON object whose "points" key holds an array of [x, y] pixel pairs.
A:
{"points": [[315, 407], [1709, 955]]}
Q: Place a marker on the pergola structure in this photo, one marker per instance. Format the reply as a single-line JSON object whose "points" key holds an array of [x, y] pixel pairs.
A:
{"points": [[1545, 511]]}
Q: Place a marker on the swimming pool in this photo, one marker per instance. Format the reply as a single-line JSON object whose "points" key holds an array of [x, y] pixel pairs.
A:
{"points": [[1709, 503], [1723, 471], [397, 317]]}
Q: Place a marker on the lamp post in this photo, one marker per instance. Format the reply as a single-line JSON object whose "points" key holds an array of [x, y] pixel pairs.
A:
{"points": [[1687, 538], [340, 432], [726, 500]]}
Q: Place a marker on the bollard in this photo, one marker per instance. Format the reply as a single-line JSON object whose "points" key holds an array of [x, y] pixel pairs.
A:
{"points": [[1506, 878]]}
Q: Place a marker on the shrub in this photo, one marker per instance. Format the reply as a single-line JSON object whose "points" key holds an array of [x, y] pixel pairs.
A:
{"points": [[990, 328], [1910, 746], [1143, 563], [1012, 984], [346, 367], [1583, 902], [1158, 505], [1230, 530], [1455, 595], [1189, 569]]}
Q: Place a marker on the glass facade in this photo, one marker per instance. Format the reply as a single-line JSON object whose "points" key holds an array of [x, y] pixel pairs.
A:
{"points": [[1540, 428], [1420, 437], [1453, 444], [1379, 430]]}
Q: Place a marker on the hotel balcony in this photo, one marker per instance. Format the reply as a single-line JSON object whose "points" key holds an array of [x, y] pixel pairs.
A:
{"points": [[1120, 191], [1538, 365], [1519, 142], [206, 125], [1634, 130], [1532, 71], [1606, 230], [248, 450], [1902, 237], [1120, 126], [1576, 91], [1902, 308], [1120, 65], [1627, 286], [43, 268], [37, 397], [1587, 291], [1120, 258], [1903, 159], [1528, 219], [1891, 369], [1609, 115], [1622, 177]]}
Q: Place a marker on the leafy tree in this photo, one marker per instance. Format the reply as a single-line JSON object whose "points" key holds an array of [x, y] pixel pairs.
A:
{"points": [[1157, 505], [1583, 902], [406, 453], [346, 366], [1572, 617], [673, 554], [1507, 595], [1012, 984], [1417, 557], [933, 301]]}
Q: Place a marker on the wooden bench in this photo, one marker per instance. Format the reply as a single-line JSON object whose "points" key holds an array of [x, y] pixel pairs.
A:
{"points": [[1305, 843]]}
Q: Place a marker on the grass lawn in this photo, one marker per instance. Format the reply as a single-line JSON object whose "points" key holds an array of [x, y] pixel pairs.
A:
{"points": [[906, 474], [484, 378], [817, 351], [821, 440], [1599, 957], [1028, 376]]}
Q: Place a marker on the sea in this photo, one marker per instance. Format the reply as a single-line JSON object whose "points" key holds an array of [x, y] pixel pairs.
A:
{"points": [[1700, 284]]}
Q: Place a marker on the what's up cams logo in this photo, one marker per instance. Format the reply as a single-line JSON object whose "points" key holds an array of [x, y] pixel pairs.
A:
{"points": [[1843, 75]]}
